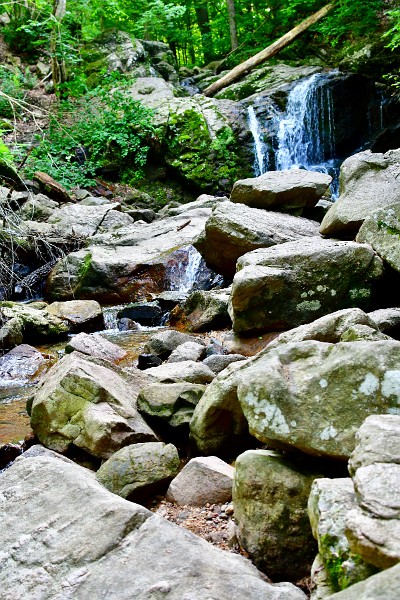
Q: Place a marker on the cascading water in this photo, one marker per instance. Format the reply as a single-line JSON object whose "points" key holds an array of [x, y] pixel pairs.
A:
{"points": [[183, 276], [305, 131], [259, 157]]}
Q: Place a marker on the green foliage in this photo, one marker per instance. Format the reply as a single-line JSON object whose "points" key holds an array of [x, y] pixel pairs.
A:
{"points": [[393, 34], [13, 83], [104, 127]]}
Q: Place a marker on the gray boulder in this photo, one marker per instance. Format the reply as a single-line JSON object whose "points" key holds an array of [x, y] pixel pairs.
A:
{"points": [[329, 504], [136, 471], [20, 365], [75, 219], [83, 403], [38, 207], [381, 229], [79, 540], [295, 283], [173, 403], [187, 351], [233, 230], [387, 320], [270, 502], [314, 396], [367, 182], [81, 315], [202, 480], [164, 342], [187, 370], [95, 345], [286, 191], [219, 362], [378, 441]]}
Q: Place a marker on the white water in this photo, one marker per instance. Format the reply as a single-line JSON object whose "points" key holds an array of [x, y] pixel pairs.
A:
{"points": [[259, 158], [183, 276]]}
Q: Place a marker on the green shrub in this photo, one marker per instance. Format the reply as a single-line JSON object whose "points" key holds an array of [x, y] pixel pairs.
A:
{"points": [[102, 128]]}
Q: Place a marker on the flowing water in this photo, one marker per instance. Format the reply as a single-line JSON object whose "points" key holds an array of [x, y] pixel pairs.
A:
{"points": [[259, 146]]}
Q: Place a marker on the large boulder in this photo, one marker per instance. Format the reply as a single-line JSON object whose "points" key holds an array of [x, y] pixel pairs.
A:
{"points": [[129, 264], [291, 284], [172, 403], [85, 403], [164, 342], [367, 182], [186, 370], [75, 219], [38, 207], [381, 229], [136, 471], [329, 503], [314, 396], [233, 230], [203, 311], [95, 345], [63, 534], [382, 586], [81, 315], [270, 501], [20, 365], [286, 191]]}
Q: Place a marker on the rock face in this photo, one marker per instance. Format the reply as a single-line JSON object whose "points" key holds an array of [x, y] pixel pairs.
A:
{"points": [[381, 229], [295, 283], [314, 396], [202, 480], [270, 501], [233, 230], [88, 405], [368, 182], [129, 264], [136, 471], [286, 191], [329, 504], [66, 535], [373, 526]]}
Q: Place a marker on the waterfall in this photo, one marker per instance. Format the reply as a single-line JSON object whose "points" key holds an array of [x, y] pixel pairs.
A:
{"points": [[183, 274], [259, 158], [306, 130]]}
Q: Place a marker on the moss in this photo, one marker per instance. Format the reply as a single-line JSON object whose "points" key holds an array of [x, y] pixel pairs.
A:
{"points": [[388, 228]]}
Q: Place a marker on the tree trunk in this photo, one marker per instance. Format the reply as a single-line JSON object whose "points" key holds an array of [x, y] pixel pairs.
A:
{"points": [[232, 23], [203, 21], [58, 67], [268, 52]]}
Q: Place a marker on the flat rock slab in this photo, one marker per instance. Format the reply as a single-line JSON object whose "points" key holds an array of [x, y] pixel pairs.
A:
{"points": [[95, 345], [298, 282], [202, 480], [64, 536], [234, 229], [282, 190]]}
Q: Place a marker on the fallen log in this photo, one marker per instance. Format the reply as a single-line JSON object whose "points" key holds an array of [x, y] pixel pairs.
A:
{"points": [[268, 52]]}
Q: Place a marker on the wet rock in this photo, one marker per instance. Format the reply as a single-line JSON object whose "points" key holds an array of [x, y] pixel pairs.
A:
{"points": [[203, 311], [147, 361], [164, 342], [135, 472], [295, 283], [88, 405], [202, 480], [125, 324], [219, 362], [145, 313], [286, 191], [270, 500], [368, 182], [95, 345], [20, 365], [234, 229], [81, 315], [112, 549], [173, 403], [188, 370], [187, 351], [314, 396]]}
